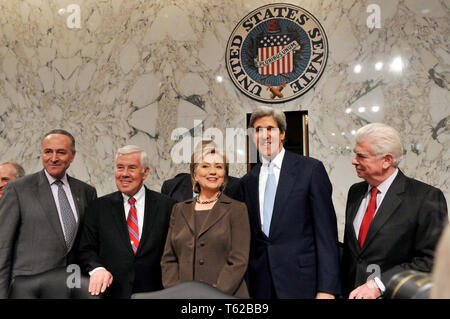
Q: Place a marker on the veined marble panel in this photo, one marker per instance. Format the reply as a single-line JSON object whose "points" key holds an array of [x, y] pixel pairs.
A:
{"points": [[134, 71]]}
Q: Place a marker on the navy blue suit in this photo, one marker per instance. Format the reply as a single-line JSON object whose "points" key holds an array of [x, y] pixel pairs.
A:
{"points": [[301, 255]]}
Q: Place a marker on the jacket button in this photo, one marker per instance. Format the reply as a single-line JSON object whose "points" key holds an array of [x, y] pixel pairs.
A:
{"points": [[201, 261], [202, 244]]}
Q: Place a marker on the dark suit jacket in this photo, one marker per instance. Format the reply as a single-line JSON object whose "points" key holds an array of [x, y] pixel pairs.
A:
{"points": [[403, 234], [105, 243], [31, 235], [217, 254], [301, 253], [180, 187]]}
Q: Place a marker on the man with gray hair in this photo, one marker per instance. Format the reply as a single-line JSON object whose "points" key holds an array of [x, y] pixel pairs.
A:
{"points": [[40, 214], [9, 171], [294, 243], [124, 233], [392, 222]]}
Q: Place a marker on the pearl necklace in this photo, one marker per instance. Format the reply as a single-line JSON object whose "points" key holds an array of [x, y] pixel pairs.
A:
{"points": [[197, 199]]}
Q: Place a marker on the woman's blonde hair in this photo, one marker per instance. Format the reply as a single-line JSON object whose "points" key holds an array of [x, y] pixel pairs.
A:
{"points": [[206, 148]]}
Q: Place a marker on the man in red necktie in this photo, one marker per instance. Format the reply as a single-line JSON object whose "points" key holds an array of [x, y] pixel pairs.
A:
{"points": [[124, 232], [393, 222]]}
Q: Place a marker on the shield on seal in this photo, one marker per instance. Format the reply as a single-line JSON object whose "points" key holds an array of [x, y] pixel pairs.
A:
{"points": [[272, 58]]}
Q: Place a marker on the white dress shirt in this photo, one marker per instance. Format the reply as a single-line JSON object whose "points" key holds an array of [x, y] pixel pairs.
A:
{"points": [[264, 172], [382, 190], [68, 192]]}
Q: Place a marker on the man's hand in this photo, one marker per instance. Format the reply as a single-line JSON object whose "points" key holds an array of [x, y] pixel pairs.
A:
{"points": [[99, 281], [369, 290], [324, 295]]}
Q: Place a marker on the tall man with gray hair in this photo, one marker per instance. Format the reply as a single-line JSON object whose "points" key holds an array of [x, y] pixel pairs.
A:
{"points": [[124, 234], [9, 171], [393, 222]]}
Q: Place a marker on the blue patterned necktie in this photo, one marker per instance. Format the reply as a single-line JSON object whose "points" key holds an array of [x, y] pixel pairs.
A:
{"points": [[69, 222], [269, 199]]}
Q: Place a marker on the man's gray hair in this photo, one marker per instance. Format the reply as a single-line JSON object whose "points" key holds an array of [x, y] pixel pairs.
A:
{"points": [[135, 149], [18, 170], [277, 114], [385, 139]]}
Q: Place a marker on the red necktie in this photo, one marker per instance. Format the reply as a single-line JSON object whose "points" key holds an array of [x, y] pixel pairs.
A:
{"points": [[132, 222], [368, 216]]}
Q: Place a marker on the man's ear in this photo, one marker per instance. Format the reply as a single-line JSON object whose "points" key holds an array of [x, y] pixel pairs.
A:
{"points": [[388, 160], [73, 156], [282, 136], [147, 170]]}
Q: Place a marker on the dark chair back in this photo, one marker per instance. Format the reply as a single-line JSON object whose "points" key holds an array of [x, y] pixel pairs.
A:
{"points": [[185, 290]]}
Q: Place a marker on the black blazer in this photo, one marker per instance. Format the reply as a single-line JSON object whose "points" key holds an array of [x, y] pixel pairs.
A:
{"points": [[105, 243], [301, 253], [402, 235], [180, 187]]}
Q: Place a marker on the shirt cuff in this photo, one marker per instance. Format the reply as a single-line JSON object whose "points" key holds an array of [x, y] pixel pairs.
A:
{"points": [[95, 269], [380, 284]]}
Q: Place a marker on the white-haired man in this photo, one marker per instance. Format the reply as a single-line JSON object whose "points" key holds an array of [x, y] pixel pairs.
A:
{"points": [[124, 233], [393, 222]]}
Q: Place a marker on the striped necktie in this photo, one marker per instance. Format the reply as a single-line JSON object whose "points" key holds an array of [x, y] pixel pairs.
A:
{"points": [[133, 226]]}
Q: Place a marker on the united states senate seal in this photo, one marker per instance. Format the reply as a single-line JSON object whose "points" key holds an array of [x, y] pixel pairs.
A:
{"points": [[276, 53]]}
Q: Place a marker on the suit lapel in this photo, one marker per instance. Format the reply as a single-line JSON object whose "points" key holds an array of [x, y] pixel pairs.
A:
{"points": [[188, 214], [120, 220], [77, 198], [47, 202], [217, 212], [150, 215], [354, 203], [285, 184], [389, 205]]}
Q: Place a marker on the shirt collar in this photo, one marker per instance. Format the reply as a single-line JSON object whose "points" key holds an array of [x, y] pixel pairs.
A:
{"points": [[277, 161], [51, 179], [138, 196], [384, 186]]}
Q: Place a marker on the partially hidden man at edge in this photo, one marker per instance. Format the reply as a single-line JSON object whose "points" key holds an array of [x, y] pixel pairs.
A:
{"points": [[124, 233], [294, 243], [9, 171], [392, 222], [40, 214]]}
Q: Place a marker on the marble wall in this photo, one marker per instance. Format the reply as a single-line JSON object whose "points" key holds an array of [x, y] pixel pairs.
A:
{"points": [[134, 71]]}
